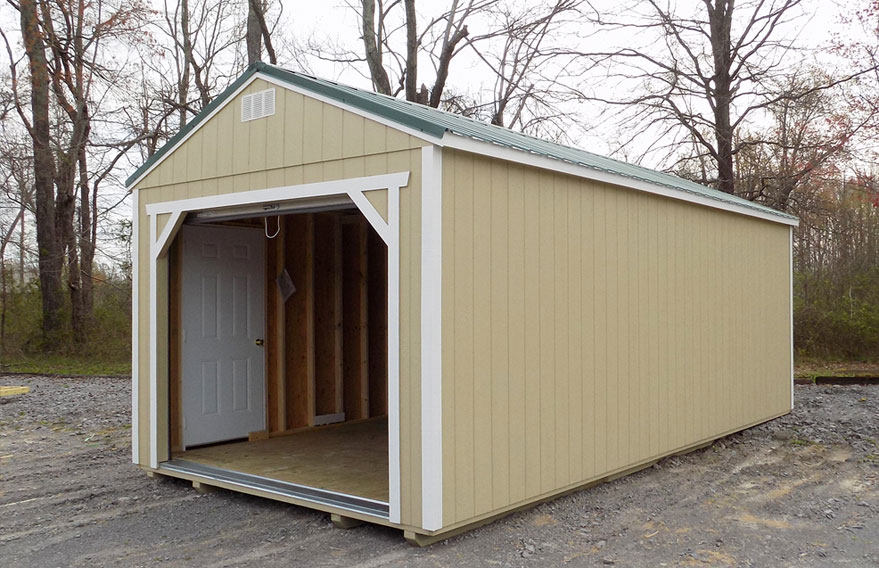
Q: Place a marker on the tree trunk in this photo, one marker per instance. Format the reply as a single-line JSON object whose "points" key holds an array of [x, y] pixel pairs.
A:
{"points": [[380, 81], [445, 59], [86, 255], [411, 52], [253, 36], [183, 86], [21, 238], [49, 254], [720, 23], [259, 12]]}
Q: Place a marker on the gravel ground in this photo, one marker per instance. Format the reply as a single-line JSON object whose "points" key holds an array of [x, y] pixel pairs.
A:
{"points": [[802, 490]]}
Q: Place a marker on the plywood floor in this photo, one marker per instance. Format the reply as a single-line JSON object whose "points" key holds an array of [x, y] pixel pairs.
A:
{"points": [[346, 458]]}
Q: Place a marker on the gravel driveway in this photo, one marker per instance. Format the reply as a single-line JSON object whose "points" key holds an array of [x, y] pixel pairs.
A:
{"points": [[800, 491]]}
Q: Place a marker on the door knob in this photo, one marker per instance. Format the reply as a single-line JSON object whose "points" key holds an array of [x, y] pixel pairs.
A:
{"points": [[259, 342]]}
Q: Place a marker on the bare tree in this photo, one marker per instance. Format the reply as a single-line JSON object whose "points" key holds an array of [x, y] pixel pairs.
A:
{"points": [[16, 182], [706, 73], [530, 64], [394, 69], [38, 127]]}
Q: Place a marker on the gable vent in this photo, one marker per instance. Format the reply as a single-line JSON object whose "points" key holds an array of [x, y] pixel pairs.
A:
{"points": [[258, 105]]}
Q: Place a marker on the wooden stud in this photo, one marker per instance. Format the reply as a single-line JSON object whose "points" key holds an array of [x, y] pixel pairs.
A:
{"points": [[355, 320], [299, 322], [280, 338], [273, 348], [325, 315], [337, 310], [378, 324], [175, 347]]}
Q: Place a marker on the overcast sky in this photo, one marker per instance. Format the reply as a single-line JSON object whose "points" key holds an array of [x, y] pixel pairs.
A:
{"points": [[336, 22], [814, 28]]}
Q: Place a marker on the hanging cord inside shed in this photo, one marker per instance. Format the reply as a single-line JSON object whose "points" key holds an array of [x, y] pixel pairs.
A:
{"points": [[268, 236]]}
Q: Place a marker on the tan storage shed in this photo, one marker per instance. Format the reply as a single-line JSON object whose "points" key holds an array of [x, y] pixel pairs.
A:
{"points": [[395, 314]]}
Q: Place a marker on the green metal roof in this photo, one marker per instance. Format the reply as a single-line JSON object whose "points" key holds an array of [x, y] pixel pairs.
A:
{"points": [[436, 123]]}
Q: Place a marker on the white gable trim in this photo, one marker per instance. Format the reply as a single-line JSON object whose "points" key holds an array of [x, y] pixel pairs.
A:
{"points": [[467, 144]]}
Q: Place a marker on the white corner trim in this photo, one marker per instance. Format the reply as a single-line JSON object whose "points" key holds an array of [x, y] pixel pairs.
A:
{"points": [[512, 155], [389, 232], [135, 337], [791, 248], [431, 338]]}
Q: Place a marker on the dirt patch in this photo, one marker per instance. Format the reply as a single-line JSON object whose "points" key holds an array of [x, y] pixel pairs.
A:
{"points": [[802, 490]]}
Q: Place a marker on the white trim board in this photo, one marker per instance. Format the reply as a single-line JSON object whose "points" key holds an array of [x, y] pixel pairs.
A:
{"points": [[792, 381], [431, 338], [388, 230], [505, 153], [135, 323], [152, 221]]}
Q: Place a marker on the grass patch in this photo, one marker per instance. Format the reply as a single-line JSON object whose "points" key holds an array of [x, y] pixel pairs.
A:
{"points": [[65, 365], [807, 368]]}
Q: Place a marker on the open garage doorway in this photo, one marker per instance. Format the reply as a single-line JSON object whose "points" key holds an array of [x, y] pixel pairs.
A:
{"points": [[278, 359]]}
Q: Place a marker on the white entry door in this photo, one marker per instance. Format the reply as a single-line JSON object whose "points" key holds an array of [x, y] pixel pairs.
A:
{"points": [[223, 362]]}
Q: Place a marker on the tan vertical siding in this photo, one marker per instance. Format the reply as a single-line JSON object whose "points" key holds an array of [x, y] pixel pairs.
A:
{"points": [[588, 328], [305, 141]]}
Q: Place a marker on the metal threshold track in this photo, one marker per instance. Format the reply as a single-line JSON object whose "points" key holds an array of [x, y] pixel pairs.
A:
{"points": [[313, 494]]}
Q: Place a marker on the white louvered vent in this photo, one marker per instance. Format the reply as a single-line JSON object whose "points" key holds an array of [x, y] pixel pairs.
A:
{"points": [[258, 105]]}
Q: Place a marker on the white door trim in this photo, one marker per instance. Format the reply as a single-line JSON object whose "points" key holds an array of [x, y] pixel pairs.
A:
{"points": [[389, 232]]}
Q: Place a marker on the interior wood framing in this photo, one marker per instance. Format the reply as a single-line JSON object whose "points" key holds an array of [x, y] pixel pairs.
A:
{"points": [[326, 346]]}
